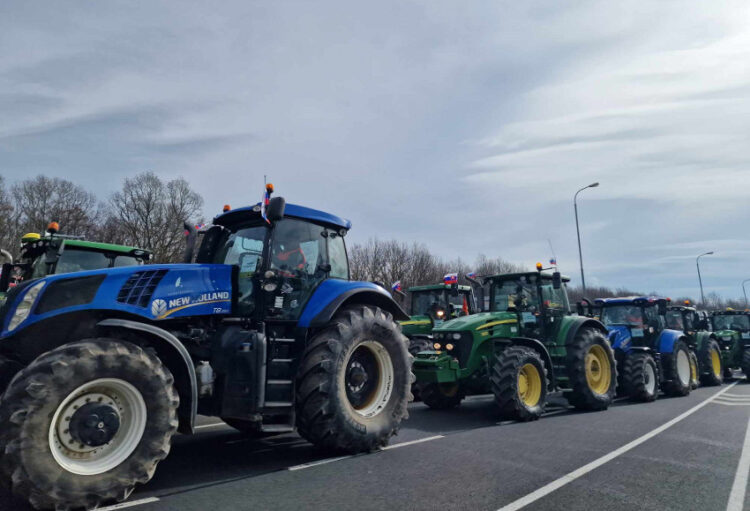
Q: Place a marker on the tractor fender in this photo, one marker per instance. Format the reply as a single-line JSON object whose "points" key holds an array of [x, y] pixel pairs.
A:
{"points": [[701, 338], [175, 357], [333, 294], [536, 346], [668, 338], [579, 322]]}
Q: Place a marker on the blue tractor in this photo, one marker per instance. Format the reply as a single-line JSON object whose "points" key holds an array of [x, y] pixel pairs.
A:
{"points": [[265, 330], [649, 355]]}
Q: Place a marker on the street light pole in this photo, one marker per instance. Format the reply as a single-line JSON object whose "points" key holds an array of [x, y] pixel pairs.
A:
{"points": [[578, 232], [700, 281], [745, 292]]}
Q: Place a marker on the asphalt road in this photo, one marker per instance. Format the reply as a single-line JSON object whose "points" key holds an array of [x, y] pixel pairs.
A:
{"points": [[673, 454]]}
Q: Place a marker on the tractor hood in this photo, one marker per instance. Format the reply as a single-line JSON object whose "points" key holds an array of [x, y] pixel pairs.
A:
{"points": [[153, 292], [416, 325], [620, 336], [481, 321], [730, 335]]}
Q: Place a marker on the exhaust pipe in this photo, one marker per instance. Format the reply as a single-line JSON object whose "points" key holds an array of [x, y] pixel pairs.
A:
{"points": [[192, 235]]}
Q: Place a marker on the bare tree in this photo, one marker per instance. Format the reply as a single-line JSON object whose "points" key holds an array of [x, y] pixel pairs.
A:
{"points": [[149, 213]]}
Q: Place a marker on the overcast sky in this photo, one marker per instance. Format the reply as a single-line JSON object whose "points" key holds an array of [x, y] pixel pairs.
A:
{"points": [[466, 126]]}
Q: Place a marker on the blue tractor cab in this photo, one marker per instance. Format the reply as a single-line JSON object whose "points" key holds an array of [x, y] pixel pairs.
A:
{"points": [[264, 330], [649, 355]]}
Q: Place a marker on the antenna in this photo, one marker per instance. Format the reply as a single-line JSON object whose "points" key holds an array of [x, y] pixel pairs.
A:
{"points": [[552, 249]]}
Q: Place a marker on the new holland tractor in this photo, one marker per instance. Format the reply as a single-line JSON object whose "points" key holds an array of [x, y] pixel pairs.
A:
{"points": [[524, 347], [56, 253], [649, 356], [732, 329], [265, 330], [705, 353], [431, 306]]}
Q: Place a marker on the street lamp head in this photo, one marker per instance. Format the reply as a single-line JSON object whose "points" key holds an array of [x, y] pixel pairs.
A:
{"points": [[594, 185], [709, 253]]}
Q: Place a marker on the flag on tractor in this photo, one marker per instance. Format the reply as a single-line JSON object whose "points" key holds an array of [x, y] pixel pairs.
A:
{"points": [[396, 286], [465, 308], [471, 274], [265, 201], [553, 261], [451, 278]]}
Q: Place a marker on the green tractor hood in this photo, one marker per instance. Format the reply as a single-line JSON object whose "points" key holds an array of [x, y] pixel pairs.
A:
{"points": [[417, 325]]}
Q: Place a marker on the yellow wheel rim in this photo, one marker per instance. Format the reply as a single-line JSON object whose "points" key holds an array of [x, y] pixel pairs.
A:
{"points": [[598, 370], [529, 385], [693, 370], [715, 363]]}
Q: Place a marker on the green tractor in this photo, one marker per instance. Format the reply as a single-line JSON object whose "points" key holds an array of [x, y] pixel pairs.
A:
{"points": [[705, 352], [431, 306], [55, 253], [732, 329], [527, 345]]}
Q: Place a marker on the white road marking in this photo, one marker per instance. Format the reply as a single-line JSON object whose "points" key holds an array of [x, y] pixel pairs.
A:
{"points": [[572, 476], [737, 396], [148, 500], [419, 441], [737, 496], [319, 462], [721, 401], [204, 426]]}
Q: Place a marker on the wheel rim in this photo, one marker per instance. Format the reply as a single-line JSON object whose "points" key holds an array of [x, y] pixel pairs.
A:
{"points": [[598, 370], [716, 363], [369, 378], [683, 367], [97, 426], [529, 385], [693, 370], [649, 378]]}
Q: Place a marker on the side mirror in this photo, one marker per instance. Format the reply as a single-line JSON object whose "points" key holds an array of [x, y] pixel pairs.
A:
{"points": [[556, 280], [192, 235], [662, 308], [579, 308], [7, 269], [275, 209]]}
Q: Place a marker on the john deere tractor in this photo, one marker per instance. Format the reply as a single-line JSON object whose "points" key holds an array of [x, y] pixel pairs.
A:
{"points": [[56, 253], [265, 330], [524, 347], [649, 355], [431, 306], [732, 329], [705, 353]]}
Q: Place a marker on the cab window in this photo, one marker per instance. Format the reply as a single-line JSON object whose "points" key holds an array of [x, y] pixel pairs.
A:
{"points": [[554, 298], [337, 256]]}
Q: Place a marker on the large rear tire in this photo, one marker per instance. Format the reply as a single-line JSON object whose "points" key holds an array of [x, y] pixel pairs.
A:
{"points": [[709, 363], [85, 422], [640, 377], [441, 396], [746, 363], [353, 382], [519, 383], [677, 368], [592, 371]]}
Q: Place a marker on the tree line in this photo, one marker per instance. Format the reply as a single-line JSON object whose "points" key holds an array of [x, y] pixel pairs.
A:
{"points": [[149, 212]]}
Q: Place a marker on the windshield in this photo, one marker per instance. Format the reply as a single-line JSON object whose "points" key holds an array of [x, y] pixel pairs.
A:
{"points": [[74, 259], [631, 315], [425, 302], [737, 322], [517, 294], [675, 320], [243, 248]]}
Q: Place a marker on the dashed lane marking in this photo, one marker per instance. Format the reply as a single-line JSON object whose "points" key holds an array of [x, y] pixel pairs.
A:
{"points": [[572, 476], [319, 462], [204, 426], [739, 487], [418, 441], [721, 401], [139, 502]]}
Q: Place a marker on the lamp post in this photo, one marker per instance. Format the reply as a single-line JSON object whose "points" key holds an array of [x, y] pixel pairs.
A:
{"points": [[700, 281], [578, 232], [745, 292]]}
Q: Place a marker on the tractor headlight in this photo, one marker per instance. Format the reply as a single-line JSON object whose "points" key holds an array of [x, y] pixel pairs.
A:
{"points": [[456, 336], [23, 309], [449, 347], [437, 346], [440, 314]]}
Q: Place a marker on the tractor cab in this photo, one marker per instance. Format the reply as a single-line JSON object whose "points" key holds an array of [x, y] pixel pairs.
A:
{"points": [[56, 253], [440, 302], [732, 330], [635, 321]]}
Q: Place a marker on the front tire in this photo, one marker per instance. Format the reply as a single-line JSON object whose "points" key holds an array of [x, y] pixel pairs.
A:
{"points": [[678, 370], [710, 364], [592, 371], [694, 373], [519, 383], [84, 423], [353, 382], [415, 346], [640, 377], [746, 363]]}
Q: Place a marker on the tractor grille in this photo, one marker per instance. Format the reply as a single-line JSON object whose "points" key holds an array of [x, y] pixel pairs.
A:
{"points": [[140, 287], [462, 347]]}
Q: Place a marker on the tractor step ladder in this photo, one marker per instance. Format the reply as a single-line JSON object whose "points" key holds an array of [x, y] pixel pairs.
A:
{"points": [[278, 410]]}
